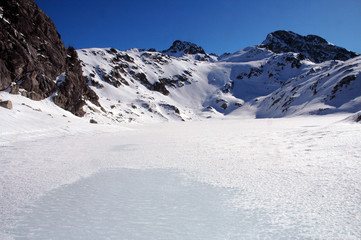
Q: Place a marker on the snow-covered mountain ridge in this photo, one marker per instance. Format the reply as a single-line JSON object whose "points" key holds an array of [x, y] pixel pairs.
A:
{"points": [[288, 74], [184, 83]]}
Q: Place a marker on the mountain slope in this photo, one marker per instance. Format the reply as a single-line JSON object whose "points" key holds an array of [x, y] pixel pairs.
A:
{"points": [[328, 87], [138, 84], [288, 74]]}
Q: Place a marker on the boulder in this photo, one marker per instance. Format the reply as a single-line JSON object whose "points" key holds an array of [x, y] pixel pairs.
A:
{"points": [[14, 89], [6, 104], [93, 121]]}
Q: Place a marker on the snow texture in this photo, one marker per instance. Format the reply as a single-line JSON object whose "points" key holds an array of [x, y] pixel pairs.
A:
{"points": [[289, 178]]}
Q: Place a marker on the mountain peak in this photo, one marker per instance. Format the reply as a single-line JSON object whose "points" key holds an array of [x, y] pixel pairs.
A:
{"points": [[314, 47], [288, 37], [184, 47]]}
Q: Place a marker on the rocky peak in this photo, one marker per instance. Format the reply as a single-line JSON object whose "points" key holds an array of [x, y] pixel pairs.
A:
{"points": [[184, 47], [32, 56], [313, 47]]}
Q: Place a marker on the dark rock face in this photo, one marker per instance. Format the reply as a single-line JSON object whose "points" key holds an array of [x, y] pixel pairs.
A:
{"points": [[33, 56], [313, 47], [31, 50], [358, 119], [74, 90], [186, 47]]}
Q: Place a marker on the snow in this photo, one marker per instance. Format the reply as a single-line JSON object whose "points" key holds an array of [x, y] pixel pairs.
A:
{"points": [[237, 178], [319, 90], [272, 85], [228, 172]]}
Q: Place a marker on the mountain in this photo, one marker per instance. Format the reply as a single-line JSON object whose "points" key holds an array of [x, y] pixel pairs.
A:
{"points": [[33, 57], [182, 48], [313, 47], [140, 85], [288, 74]]}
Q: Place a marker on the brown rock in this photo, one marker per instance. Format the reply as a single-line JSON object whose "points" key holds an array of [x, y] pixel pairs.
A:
{"points": [[14, 89], [34, 96], [6, 104]]}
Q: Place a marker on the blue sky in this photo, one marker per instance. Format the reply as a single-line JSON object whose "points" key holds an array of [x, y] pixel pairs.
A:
{"points": [[217, 25]]}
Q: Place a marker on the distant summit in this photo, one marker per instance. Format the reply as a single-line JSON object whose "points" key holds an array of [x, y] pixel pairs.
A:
{"points": [[313, 47], [183, 47]]}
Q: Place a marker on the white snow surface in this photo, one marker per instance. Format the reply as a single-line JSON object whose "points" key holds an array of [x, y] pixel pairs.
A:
{"points": [[288, 178], [296, 176]]}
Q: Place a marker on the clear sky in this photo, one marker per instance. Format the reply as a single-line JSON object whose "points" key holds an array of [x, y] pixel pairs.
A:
{"points": [[218, 26]]}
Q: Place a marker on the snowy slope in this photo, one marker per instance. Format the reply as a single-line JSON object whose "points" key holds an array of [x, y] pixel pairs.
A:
{"points": [[185, 83], [146, 86], [139, 85], [329, 87]]}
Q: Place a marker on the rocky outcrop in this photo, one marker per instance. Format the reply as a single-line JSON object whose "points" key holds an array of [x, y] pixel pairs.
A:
{"points": [[183, 47], [32, 56], [313, 47], [74, 91], [31, 50]]}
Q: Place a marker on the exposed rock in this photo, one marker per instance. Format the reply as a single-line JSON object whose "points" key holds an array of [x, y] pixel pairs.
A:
{"points": [[96, 84], [237, 104], [186, 47], [228, 87], [358, 119], [141, 77], [313, 47], [6, 104], [125, 57], [157, 86], [93, 121], [160, 87], [30, 48], [14, 89], [295, 62], [180, 48], [344, 82], [33, 55], [254, 72], [175, 81], [33, 96], [170, 107], [74, 90], [224, 106]]}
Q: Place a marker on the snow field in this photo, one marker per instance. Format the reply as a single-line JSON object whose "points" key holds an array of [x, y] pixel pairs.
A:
{"points": [[301, 174]]}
